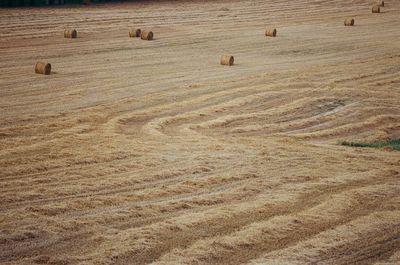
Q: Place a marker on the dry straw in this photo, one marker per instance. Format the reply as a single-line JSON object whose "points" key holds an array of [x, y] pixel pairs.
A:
{"points": [[227, 60], [70, 33], [135, 33], [146, 35], [43, 68], [376, 9], [270, 32], [349, 22]]}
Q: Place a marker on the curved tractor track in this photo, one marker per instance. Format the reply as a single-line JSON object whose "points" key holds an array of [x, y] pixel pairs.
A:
{"points": [[150, 152]]}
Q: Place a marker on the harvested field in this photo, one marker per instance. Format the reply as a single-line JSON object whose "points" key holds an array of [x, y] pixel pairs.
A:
{"points": [[139, 152]]}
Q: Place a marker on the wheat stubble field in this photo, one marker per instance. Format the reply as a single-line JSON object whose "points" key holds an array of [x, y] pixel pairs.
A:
{"points": [[150, 152]]}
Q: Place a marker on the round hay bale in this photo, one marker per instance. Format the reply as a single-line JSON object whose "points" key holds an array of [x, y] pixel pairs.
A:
{"points": [[349, 22], [135, 33], [270, 32], [43, 68], [376, 9], [379, 3], [227, 60], [147, 35], [70, 33]]}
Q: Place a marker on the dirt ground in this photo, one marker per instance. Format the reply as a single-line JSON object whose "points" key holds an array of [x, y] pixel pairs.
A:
{"points": [[139, 152]]}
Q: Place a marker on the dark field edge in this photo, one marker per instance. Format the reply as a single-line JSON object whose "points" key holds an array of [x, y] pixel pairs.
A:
{"points": [[393, 144]]}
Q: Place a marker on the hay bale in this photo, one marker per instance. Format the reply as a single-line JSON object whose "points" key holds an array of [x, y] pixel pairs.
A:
{"points": [[227, 60], [70, 33], [135, 33], [349, 22], [43, 68], [376, 9], [379, 3], [146, 35], [270, 32]]}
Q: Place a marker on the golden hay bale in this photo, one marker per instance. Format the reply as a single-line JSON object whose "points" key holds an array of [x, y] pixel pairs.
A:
{"points": [[135, 33], [227, 60], [379, 3], [376, 9], [270, 32], [349, 22], [146, 35], [70, 33], [43, 68]]}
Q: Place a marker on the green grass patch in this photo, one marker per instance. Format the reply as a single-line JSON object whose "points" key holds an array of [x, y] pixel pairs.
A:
{"points": [[394, 144]]}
